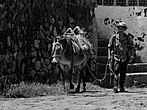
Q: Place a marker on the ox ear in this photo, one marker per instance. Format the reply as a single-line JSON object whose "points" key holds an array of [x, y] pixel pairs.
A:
{"points": [[63, 38], [54, 39]]}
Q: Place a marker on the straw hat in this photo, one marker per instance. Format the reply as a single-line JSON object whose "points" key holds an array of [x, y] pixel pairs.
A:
{"points": [[121, 24]]}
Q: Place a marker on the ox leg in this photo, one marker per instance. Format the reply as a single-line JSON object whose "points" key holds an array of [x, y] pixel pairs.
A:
{"points": [[70, 79], [79, 82], [2, 87], [67, 74], [71, 85], [62, 75], [2, 83], [84, 81], [82, 76], [63, 79]]}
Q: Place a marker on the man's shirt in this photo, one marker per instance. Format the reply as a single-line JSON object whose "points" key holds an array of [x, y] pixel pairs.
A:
{"points": [[121, 47]]}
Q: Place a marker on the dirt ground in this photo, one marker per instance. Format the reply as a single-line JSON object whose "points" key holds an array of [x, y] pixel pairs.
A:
{"points": [[94, 99]]}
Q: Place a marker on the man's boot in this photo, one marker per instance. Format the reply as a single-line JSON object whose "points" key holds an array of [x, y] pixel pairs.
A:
{"points": [[115, 83], [122, 89]]}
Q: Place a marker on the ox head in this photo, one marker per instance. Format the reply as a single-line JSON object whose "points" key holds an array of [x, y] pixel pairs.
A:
{"points": [[56, 50]]}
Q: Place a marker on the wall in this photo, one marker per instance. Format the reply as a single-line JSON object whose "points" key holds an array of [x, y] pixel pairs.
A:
{"points": [[26, 30], [134, 17]]}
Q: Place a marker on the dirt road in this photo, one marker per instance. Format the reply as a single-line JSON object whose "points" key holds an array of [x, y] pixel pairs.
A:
{"points": [[100, 99]]}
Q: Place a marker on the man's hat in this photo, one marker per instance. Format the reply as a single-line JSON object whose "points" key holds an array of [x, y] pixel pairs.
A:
{"points": [[77, 30], [121, 24], [69, 32]]}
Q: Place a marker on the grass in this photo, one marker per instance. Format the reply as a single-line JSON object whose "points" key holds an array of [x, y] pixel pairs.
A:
{"points": [[27, 90], [34, 89]]}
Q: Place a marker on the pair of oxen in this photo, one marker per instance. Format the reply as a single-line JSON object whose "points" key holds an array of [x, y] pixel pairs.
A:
{"points": [[72, 50]]}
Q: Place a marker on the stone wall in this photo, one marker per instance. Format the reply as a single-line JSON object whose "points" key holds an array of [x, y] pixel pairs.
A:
{"points": [[26, 30], [136, 20]]}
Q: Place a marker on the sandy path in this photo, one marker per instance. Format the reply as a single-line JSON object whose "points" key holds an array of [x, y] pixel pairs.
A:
{"points": [[103, 99]]}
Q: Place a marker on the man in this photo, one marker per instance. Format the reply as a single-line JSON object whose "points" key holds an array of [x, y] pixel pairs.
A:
{"points": [[120, 53]]}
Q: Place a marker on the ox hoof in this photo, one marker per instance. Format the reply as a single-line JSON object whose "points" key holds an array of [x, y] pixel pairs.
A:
{"points": [[77, 90], [71, 86], [84, 90]]}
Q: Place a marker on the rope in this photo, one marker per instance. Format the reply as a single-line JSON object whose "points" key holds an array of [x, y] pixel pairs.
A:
{"points": [[101, 63], [100, 80], [106, 65]]}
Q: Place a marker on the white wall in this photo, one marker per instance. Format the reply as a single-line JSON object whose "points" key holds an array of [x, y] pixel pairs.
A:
{"points": [[134, 17]]}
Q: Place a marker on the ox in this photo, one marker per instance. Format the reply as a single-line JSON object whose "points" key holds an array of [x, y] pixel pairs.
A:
{"points": [[64, 54]]}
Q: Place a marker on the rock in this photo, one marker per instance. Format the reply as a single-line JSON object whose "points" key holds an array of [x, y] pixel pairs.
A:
{"points": [[39, 54], [8, 41], [34, 54], [13, 66], [15, 47], [15, 54], [64, 29], [12, 78], [55, 32], [33, 60], [49, 47], [20, 56], [42, 60], [36, 43], [47, 61], [20, 43], [33, 72], [37, 65], [23, 67], [46, 54], [41, 35], [45, 69], [9, 70], [49, 66], [42, 45], [44, 65], [1, 45], [41, 73], [9, 58], [51, 28]]}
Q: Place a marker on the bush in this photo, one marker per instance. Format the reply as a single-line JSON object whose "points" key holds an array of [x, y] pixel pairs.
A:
{"points": [[27, 90]]}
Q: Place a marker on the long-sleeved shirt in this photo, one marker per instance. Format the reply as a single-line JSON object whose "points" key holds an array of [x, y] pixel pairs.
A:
{"points": [[122, 48]]}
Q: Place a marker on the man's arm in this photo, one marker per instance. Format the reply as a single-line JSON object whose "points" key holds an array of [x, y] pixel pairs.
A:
{"points": [[110, 46], [131, 48]]}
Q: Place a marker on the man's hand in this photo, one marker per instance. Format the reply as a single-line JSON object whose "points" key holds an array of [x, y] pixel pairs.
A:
{"points": [[131, 59], [109, 58], [117, 77]]}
